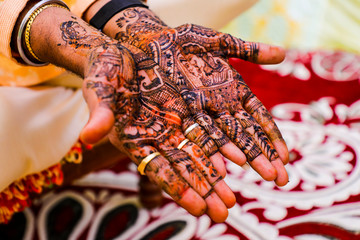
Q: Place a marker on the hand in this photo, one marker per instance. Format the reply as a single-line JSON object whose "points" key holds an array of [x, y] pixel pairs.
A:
{"points": [[129, 97], [148, 115], [195, 59]]}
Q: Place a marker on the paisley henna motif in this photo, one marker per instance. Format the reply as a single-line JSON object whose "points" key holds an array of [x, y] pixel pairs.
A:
{"points": [[148, 110], [195, 60]]}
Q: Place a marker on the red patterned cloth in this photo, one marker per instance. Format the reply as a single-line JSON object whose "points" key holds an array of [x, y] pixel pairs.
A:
{"points": [[16, 197], [314, 97]]}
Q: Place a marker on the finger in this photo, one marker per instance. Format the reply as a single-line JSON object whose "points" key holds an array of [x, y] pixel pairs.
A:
{"points": [[150, 194], [255, 52], [211, 174], [282, 176], [163, 174], [100, 98], [216, 209], [228, 149], [234, 154], [264, 168], [247, 144], [253, 106], [99, 125], [226, 45], [195, 133], [249, 125], [185, 167], [191, 163]]}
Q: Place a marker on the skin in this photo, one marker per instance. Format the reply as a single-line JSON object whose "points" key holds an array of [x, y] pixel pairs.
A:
{"points": [[195, 59], [133, 103]]}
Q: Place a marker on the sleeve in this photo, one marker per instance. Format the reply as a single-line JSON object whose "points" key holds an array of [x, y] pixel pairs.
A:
{"points": [[80, 6], [9, 12], [38, 127]]}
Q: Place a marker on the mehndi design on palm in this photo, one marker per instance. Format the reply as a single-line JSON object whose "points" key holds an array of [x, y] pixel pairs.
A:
{"points": [[149, 113], [195, 59]]}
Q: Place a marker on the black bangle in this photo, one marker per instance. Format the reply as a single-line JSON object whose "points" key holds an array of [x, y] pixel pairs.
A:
{"points": [[111, 9]]}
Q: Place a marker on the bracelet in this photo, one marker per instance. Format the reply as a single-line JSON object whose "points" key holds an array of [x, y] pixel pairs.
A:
{"points": [[110, 9], [23, 36]]}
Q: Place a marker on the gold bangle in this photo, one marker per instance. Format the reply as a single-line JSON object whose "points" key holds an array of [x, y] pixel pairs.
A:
{"points": [[31, 21], [145, 161]]}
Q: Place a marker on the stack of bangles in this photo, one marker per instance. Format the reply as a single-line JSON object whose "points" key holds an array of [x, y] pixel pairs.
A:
{"points": [[147, 159], [24, 49]]}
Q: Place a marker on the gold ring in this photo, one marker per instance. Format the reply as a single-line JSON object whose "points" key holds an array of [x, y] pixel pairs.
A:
{"points": [[145, 161], [189, 129], [182, 144]]}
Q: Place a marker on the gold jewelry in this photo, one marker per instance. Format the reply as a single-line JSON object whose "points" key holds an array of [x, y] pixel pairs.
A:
{"points": [[189, 129], [183, 143], [23, 35], [145, 161], [29, 24]]}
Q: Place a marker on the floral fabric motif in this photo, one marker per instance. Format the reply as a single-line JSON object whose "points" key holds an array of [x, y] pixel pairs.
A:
{"points": [[17, 196]]}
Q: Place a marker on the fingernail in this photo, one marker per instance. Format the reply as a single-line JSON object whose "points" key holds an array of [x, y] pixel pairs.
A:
{"points": [[246, 166]]}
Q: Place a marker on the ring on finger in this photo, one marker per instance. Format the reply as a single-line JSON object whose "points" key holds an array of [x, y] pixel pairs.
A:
{"points": [[145, 161], [189, 129], [182, 144]]}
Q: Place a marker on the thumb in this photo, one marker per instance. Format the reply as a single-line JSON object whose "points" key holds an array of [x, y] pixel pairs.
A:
{"points": [[99, 98], [263, 53], [260, 53]]}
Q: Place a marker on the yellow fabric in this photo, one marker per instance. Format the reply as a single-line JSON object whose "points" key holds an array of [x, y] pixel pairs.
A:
{"points": [[305, 24], [11, 73], [39, 123], [9, 10]]}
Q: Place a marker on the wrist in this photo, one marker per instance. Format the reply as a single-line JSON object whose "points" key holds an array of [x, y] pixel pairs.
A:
{"points": [[20, 42], [65, 40], [104, 13]]}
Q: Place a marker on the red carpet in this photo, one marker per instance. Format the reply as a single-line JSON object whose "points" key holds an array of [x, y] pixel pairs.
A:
{"points": [[315, 99]]}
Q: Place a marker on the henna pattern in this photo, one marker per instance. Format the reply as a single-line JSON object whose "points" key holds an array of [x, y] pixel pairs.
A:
{"points": [[194, 58], [76, 35], [147, 107], [204, 141]]}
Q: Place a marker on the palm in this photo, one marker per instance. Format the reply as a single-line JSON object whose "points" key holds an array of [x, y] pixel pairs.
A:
{"points": [[148, 118], [195, 60]]}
